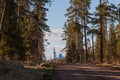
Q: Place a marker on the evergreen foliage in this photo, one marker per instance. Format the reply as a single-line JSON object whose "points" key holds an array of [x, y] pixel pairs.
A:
{"points": [[23, 23], [102, 47]]}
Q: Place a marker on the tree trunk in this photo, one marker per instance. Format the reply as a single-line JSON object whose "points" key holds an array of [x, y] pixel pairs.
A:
{"points": [[76, 52], [1, 26], [101, 37], [85, 41], [93, 47], [2, 18], [36, 54]]}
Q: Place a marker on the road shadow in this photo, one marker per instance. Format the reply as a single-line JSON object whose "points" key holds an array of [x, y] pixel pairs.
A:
{"points": [[86, 75]]}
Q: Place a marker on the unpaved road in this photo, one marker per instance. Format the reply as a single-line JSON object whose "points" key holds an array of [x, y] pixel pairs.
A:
{"points": [[85, 72]]}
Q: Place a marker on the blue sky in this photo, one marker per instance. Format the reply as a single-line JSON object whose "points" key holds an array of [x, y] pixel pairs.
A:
{"points": [[56, 13], [56, 19]]}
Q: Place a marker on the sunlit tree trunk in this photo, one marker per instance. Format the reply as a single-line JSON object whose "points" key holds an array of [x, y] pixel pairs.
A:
{"points": [[2, 19]]}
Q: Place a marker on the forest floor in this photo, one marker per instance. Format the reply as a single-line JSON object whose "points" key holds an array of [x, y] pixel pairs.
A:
{"points": [[85, 72], [17, 71]]}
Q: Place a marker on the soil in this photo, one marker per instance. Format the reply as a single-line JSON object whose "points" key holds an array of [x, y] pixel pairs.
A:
{"points": [[85, 72], [16, 71]]}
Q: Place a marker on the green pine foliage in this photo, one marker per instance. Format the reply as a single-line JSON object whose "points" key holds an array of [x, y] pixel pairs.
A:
{"points": [[23, 26], [22, 29], [77, 15], [104, 41]]}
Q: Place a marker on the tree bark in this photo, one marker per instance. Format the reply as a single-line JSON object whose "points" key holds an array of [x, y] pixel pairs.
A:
{"points": [[101, 37], [93, 47], [2, 18], [86, 52]]}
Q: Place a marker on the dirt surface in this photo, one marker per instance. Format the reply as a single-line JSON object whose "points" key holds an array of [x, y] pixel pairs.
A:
{"points": [[85, 72], [17, 71]]}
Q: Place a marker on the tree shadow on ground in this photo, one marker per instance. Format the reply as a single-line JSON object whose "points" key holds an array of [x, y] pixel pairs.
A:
{"points": [[86, 75]]}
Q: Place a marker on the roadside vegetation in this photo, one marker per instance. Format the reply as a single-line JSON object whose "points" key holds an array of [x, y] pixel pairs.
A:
{"points": [[92, 36], [18, 71]]}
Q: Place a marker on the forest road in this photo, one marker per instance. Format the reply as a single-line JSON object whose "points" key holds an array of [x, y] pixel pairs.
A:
{"points": [[85, 72]]}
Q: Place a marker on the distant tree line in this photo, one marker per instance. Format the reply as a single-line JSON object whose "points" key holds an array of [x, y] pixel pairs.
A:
{"points": [[22, 26], [92, 36]]}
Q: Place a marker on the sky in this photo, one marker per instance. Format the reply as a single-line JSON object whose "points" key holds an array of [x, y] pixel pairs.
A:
{"points": [[56, 19]]}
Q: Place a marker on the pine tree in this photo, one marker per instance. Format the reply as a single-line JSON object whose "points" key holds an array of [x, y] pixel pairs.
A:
{"points": [[78, 13], [103, 14], [106, 14], [40, 26], [23, 29], [112, 45], [10, 37], [93, 32], [72, 33], [118, 44]]}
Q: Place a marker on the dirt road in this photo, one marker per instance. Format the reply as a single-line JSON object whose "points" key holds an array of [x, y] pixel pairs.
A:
{"points": [[85, 72]]}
